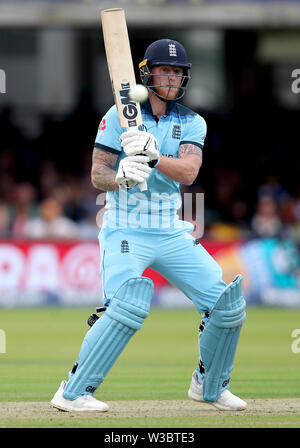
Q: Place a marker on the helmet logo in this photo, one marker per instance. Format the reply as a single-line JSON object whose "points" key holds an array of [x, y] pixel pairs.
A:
{"points": [[172, 50]]}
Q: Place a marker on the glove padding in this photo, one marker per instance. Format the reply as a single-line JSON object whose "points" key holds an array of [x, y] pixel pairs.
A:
{"points": [[135, 142], [133, 170]]}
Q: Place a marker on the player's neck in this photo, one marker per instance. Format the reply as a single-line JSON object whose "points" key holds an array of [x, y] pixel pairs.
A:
{"points": [[159, 107]]}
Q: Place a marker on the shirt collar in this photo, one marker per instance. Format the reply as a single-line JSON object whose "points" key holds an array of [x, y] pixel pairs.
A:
{"points": [[147, 107]]}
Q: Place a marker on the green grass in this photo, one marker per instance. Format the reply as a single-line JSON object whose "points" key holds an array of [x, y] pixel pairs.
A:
{"points": [[43, 344], [221, 421]]}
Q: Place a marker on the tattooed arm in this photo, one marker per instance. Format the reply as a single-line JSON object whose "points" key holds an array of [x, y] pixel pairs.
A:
{"points": [[103, 175], [184, 169]]}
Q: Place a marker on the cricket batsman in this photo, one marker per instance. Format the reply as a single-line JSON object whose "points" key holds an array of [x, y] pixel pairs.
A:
{"points": [[166, 153]]}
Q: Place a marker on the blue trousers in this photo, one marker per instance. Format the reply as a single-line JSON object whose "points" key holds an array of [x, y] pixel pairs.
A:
{"points": [[125, 254], [175, 254]]}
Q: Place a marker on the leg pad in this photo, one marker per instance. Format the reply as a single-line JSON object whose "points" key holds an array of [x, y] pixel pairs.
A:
{"points": [[220, 338], [109, 335]]}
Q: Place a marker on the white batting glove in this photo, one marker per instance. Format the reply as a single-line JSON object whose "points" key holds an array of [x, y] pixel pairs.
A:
{"points": [[133, 170], [136, 142]]}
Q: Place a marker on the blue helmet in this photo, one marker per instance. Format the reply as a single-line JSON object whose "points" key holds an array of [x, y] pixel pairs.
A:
{"points": [[165, 52]]}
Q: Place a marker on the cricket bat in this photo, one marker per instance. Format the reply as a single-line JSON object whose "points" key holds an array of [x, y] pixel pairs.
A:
{"points": [[120, 67]]}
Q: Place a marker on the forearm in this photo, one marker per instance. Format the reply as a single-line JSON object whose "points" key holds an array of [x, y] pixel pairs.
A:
{"points": [[103, 175], [180, 170], [103, 178]]}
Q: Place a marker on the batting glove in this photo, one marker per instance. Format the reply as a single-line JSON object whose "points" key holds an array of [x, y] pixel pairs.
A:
{"points": [[133, 170], [136, 142]]}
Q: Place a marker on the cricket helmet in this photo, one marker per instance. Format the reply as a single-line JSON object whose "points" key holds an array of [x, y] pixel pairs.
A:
{"points": [[165, 52]]}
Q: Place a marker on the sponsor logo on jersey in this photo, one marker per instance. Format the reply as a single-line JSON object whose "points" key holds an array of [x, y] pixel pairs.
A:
{"points": [[176, 132], [102, 125]]}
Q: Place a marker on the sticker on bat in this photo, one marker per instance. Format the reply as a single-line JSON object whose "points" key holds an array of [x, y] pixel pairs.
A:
{"points": [[129, 110]]}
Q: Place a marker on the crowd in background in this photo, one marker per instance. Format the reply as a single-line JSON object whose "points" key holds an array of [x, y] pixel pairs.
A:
{"points": [[46, 192]]}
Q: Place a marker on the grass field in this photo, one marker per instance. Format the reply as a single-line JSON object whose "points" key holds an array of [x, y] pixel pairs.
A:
{"points": [[148, 385]]}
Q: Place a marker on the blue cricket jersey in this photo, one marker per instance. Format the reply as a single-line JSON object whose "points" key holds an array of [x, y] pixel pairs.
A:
{"points": [[157, 207]]}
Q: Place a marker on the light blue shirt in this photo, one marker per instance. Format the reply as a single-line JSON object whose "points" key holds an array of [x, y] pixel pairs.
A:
{"points": [[157, 207]]}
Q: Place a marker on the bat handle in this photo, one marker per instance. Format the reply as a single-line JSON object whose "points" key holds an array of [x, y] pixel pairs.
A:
{"points": [[143, 186]]}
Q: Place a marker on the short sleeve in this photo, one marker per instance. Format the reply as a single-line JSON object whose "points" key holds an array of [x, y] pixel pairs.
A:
{"points": [[109, 131], [195, 132]]}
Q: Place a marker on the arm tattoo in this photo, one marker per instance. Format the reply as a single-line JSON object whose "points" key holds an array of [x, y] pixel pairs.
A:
{"points": [[103, 174], [188, 149]]}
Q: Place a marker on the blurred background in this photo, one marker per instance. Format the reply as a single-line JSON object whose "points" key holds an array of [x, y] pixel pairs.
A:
{"points": [[54, 90]]}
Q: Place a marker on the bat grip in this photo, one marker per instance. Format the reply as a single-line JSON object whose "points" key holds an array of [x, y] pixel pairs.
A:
{"points": [[143, 186]]}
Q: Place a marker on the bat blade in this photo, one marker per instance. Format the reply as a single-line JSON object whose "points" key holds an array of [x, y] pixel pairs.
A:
{"points": [[120, 67]]}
